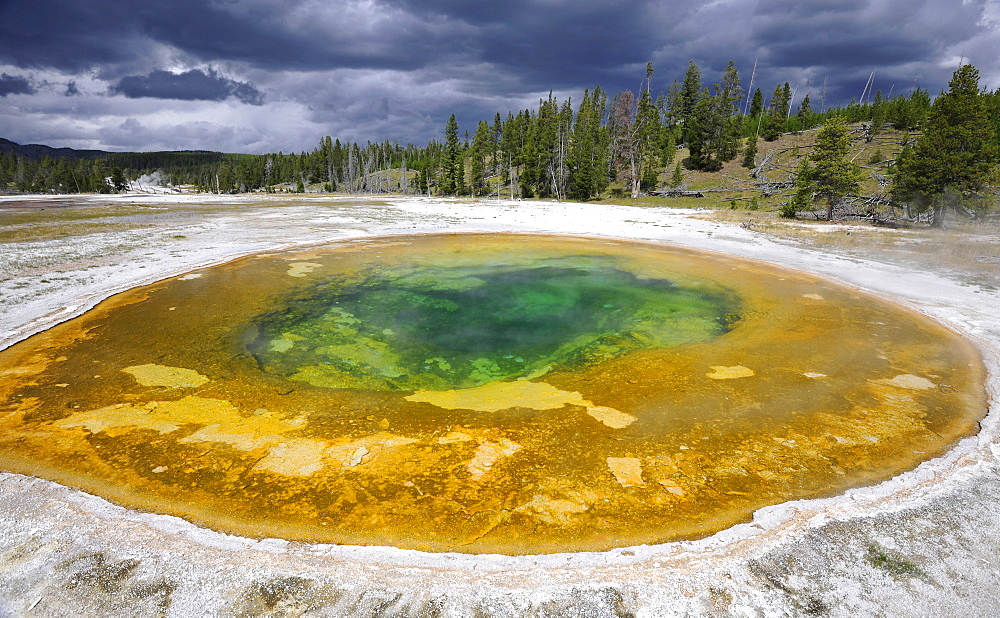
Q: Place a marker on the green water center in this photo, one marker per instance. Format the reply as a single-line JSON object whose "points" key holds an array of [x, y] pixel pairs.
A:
{"points": [[406, 329]]}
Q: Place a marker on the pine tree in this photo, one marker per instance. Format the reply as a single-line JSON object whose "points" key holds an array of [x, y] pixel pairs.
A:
{"points": [[714, 130], [750, 154], [877, 119], [729, 99], [668, 146], [774, 122], [99, 177], [702, 129], [601, 154], [649, 128], [677, 179], [650, 180], [422, 181], [757, 103], [23, 175], [512, 148], [827, 173], [541, 168], [4, 172], [496, 132], [452, 169], [803, 192], [460, 189], [805, 113], [481, 149], [955, 157], [672, 105], [118, 180], [920, 107], [904, 155], [755, 116], [993, 108], [338, 161], [588, 154], [688, 96], [581, 170]]}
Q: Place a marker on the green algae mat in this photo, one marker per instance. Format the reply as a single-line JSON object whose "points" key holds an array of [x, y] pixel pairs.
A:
{"points": [[484, 393]]}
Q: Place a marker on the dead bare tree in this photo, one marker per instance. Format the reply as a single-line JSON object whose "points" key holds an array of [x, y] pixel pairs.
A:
{"points": [[625, 148]]}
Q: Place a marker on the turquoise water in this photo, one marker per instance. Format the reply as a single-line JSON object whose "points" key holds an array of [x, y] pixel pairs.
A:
{"points": [[465, 326]]}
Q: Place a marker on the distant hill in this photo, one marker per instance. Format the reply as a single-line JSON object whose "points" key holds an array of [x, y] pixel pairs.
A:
{"points": [[37, 152]]}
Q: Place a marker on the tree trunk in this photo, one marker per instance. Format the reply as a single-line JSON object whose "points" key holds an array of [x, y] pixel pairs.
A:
{"points": [[938, 220], [634, 176]]}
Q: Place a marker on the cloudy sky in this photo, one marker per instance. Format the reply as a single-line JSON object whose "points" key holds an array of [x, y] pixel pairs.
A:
{"points": [[268, 75]]}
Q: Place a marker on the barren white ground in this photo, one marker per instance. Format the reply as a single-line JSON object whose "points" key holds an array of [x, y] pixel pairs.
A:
{"points": [[64, 552]]}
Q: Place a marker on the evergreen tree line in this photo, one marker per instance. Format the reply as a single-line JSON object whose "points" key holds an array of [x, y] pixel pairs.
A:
{"points": [[349, 167], [630, 140], [559, 150]]}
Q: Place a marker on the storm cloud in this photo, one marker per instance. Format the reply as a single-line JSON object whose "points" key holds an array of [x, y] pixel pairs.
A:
{"points": [[13, 84], [193, 85], [259, 75]]}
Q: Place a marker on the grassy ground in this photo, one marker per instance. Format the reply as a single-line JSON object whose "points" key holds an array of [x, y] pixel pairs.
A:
{"points": [[33, 224], [783, 156]]}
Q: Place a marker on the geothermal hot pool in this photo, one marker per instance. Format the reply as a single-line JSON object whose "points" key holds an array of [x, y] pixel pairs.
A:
{"points": [[507, 394]]}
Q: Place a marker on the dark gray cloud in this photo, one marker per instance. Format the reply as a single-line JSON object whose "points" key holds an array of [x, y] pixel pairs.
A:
{"points": [[193, 85], [65, 34], [294, 34], [396, 69], [14, 84], [556, 44], [842, 42]]}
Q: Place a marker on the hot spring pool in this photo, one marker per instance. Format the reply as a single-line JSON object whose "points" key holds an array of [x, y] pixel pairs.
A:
{"points": [[506, 394]]}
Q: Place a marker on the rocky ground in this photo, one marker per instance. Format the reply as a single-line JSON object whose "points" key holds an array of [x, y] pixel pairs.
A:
{"points": [[926, 542]]}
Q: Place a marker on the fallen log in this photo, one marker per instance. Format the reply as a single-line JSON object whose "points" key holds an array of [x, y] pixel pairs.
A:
{"points": [[676, 193]]}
